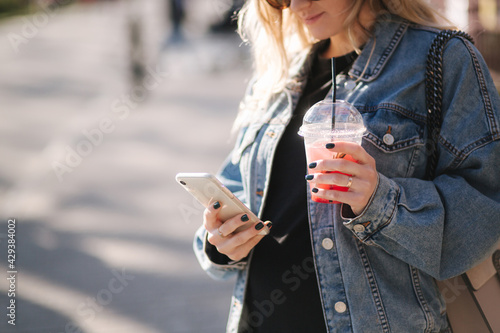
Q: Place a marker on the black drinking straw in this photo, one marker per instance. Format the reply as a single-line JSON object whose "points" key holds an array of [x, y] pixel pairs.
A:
{"points": [[334, 97]]}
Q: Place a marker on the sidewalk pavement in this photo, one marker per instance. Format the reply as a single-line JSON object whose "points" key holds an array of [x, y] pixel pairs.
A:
{"points": [[87, 163]]}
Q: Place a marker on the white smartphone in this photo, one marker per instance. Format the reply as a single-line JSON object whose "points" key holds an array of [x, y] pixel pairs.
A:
{"points": [[207, 189]]}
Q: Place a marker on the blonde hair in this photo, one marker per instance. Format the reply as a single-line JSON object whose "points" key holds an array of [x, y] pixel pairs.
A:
{"points": [[276, 36]]}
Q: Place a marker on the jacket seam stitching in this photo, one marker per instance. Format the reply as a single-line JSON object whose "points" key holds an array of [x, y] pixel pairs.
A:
{"points": [[411, 163], [461, 155], [389, 220], [344, 292], [314, 253], [387, 52], [377, 298], [484, 90], [400, 145], [420, 296], [397, 108]]}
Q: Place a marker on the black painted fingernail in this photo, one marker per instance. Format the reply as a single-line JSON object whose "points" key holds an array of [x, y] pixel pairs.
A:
{"points": [[315, 190], [259, 226], [216, 205], [269, 225], [244, 218], [330, 145], [313, 165], [309, 177]]}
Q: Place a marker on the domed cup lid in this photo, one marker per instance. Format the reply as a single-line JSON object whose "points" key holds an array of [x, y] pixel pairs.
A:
{"points": [[318, 121]]}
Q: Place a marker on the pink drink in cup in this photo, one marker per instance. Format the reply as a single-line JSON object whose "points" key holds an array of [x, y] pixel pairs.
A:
{"points": [[319, 127]]}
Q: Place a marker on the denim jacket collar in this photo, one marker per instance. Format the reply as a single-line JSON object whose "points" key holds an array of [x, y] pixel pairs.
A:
{"points": [[379, 48], [370, 62]]}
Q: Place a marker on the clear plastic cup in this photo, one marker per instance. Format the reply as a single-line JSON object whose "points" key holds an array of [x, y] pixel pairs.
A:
{"points": [[330, 122]]}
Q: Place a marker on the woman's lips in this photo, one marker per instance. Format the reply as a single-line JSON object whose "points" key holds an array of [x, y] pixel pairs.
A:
{"points": [[312, 18]]}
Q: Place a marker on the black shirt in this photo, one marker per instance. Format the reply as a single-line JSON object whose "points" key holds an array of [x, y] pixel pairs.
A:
{"points": [[282, 291]]}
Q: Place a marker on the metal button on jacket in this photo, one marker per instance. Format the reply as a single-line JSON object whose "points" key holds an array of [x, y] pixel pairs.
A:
{"points": [[359, 228], [388, 139], [327, 244], [340, 307]]}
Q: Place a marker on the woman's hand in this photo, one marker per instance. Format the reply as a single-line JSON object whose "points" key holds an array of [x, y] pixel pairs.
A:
{"points": [[235, 245], [361, 183]]}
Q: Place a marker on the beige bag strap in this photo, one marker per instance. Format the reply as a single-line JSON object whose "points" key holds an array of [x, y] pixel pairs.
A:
{"points": [[480, 274], [473, 298]]}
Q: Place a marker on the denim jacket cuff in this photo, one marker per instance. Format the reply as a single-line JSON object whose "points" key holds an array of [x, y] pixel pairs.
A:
{"points": [[378, 212]]}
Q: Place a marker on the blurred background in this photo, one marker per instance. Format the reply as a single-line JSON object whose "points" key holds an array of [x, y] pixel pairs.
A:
{"points": [[101, 104]]}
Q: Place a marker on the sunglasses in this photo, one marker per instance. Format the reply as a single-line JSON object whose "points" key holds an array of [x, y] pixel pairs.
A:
{"points": [[281, 4]]}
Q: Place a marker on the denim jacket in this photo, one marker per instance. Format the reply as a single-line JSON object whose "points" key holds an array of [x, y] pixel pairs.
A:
{"points": [[376, 272]]}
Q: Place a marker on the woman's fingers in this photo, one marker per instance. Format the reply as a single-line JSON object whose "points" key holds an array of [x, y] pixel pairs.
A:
{"points": [[231, 225], [210, 216], [237, 246], [357, 152], [347, 180], [348, 197], [227, 236], [351, 168]]}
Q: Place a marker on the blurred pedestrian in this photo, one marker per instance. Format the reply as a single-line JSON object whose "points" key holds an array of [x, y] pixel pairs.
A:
{"points": [[176, 13]]}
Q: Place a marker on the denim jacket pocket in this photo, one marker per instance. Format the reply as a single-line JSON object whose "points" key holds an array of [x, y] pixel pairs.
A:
{"points": [[245, 140], [396, 135]]}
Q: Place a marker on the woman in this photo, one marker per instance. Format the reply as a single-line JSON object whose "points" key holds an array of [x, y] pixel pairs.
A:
{"points": [[368, 264]]}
